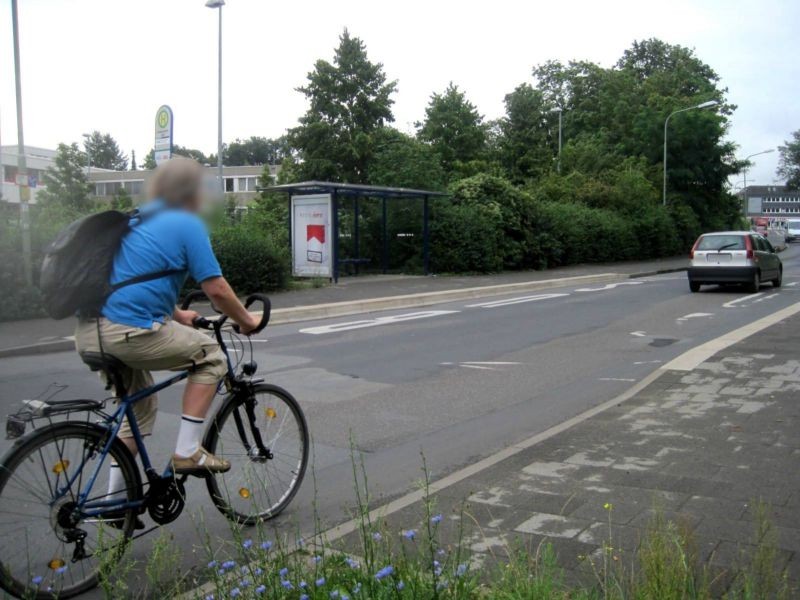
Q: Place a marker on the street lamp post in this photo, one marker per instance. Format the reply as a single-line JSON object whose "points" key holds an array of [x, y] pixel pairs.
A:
{"points": [[558, 164], [22, 167], [219, 4], [744, 175], [708, 104]]}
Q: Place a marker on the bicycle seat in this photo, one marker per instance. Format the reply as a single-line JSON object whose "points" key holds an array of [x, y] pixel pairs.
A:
{"points": [[110, 365]]}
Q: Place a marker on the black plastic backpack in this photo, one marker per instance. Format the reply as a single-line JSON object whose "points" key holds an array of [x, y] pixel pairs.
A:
{"points": [[77, 265]]}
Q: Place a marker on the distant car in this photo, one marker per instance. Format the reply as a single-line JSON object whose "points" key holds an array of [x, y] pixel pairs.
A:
{"points": [[792, 230], [740, 257]]}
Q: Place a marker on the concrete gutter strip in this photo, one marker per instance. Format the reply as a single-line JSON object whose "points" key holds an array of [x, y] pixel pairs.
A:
{"points": [[354, 307], [41, 348]]}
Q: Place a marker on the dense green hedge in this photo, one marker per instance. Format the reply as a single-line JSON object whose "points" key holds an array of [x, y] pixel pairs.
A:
{"points": [[250, 260]]}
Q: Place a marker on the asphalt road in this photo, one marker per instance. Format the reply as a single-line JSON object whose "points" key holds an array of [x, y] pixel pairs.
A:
{"points": [[455, 381]]}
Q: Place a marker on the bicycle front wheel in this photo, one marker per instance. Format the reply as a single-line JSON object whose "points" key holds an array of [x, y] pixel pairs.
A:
{"points": [[262, 480], [48, 547]]}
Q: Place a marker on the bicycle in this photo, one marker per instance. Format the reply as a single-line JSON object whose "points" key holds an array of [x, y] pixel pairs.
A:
{"points": [[56, 531]]}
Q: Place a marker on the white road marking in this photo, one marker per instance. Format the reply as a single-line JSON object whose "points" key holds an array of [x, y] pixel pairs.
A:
{"points": [[638, 333], [770, 297], [609, 286], [481, 367], [647, 362], [794, 283], [732, 303], [488, 362], [336, 327], [615, 379], [520, 300], [694, 316]]}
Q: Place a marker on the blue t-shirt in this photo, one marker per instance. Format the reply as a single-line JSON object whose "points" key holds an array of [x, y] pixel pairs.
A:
{"points": [[165, 238]]}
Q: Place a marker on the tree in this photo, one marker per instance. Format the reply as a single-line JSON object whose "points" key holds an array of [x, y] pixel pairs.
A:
{"points": [[403, 161], [526, 148], [133, 160], [150, 157], [789, 164], [349, 100], [256, 151], [454, 128], [65, 183], [102, 151]]}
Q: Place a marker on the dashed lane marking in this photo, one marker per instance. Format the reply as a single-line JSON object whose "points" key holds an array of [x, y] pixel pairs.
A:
{"points": [[337, 327], [647, 362], [769, 297], [638, 333], [615, 379], [733, 303], [609, 286], [519, 300], [694, 316]]}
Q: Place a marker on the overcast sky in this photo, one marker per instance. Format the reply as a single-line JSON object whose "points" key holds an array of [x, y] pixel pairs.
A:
{"points": [[109, 64]]}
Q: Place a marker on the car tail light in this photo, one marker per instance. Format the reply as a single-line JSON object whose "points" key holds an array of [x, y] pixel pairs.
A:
{"points": [[748, 244], [691, 252]]}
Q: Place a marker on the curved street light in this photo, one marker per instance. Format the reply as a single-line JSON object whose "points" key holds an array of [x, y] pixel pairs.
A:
{"points": [[708, 104], [744, 174]]}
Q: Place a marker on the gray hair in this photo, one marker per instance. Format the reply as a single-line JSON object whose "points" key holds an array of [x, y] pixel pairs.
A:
{"points": [[177, 181]]}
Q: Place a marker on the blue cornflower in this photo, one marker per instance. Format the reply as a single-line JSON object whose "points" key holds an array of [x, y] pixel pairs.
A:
{"points": [[287, 584], [235, 592], [377, 536], [353, 564], [261, 589], [400, 585], [320, 582], [357, 588], [334, 595], [303, 584], [243, 569], [410, 534], [258, 571], [209, 597], [212, 564], [247, 544], [303, 596], [266, 545], [229, 564], [436, 519], [283, 572], [61, 570], [244, 583], [221, 572], [384, 572], [462, 568], [300, 542], [317, 560], [440, 552], [37, 580]]}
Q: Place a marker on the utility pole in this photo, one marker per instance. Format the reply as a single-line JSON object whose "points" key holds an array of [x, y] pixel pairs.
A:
{"points": [[22, 167], [218, 4]]}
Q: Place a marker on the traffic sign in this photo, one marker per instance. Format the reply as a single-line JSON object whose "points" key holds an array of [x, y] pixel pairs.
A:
{"points": [[163, 143]]}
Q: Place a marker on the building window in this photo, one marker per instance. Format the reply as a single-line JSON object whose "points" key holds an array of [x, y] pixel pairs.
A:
{"points": [[134, 188], [229, 184]]}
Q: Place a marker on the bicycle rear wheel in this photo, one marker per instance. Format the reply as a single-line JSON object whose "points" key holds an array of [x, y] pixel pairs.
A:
{"points": [[45, 550], [258, 486]]}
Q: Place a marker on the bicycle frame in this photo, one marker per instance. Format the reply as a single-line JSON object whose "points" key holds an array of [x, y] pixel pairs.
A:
{"points": [[96, 508]]}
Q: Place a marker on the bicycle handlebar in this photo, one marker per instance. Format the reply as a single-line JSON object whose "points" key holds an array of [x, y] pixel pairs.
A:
{"points": [[204, 323]]}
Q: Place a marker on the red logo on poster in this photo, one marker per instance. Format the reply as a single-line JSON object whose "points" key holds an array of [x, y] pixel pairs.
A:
{"points": [[315, 231]]}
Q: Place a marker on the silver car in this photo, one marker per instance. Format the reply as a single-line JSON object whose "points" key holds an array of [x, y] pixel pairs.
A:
{"points": [[740, 257]]}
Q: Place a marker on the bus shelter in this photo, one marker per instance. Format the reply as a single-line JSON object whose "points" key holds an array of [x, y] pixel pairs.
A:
{"points": [[315, 228]]}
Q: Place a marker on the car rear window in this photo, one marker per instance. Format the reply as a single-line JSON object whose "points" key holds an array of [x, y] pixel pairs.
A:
{"points": [[721, 242]]}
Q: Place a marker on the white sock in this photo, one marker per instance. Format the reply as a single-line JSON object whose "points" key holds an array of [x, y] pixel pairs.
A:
{"points": [[116, 483], [189, 435]]}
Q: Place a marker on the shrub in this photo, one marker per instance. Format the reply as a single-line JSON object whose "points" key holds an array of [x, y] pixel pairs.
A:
{"points": [[465, 238], [250, 259]]}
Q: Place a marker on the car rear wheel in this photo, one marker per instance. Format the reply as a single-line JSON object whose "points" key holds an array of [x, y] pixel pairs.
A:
{"points": [[778, 280], [755, 283], [694, 286]]}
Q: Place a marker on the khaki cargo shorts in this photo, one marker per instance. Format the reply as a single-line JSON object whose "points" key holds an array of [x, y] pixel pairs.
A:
{"points": [[168, 346]]}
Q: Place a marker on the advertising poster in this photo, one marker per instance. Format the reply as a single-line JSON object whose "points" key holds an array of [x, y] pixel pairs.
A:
{"points": [[312, 246]]}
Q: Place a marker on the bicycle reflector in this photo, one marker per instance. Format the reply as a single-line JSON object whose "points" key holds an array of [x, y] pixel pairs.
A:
{"points": [[60, 467], [56, 563], [244, 492], [270, 412]]}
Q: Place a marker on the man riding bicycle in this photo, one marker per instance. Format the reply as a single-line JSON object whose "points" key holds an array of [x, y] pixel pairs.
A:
{"points": [[141, 326]]}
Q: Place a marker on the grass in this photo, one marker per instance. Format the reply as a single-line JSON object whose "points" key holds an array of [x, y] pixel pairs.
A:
{"points": [[382, 561]]}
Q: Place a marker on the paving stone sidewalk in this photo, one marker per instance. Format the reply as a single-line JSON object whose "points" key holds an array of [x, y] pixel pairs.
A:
{"points": [[700, 446]]}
